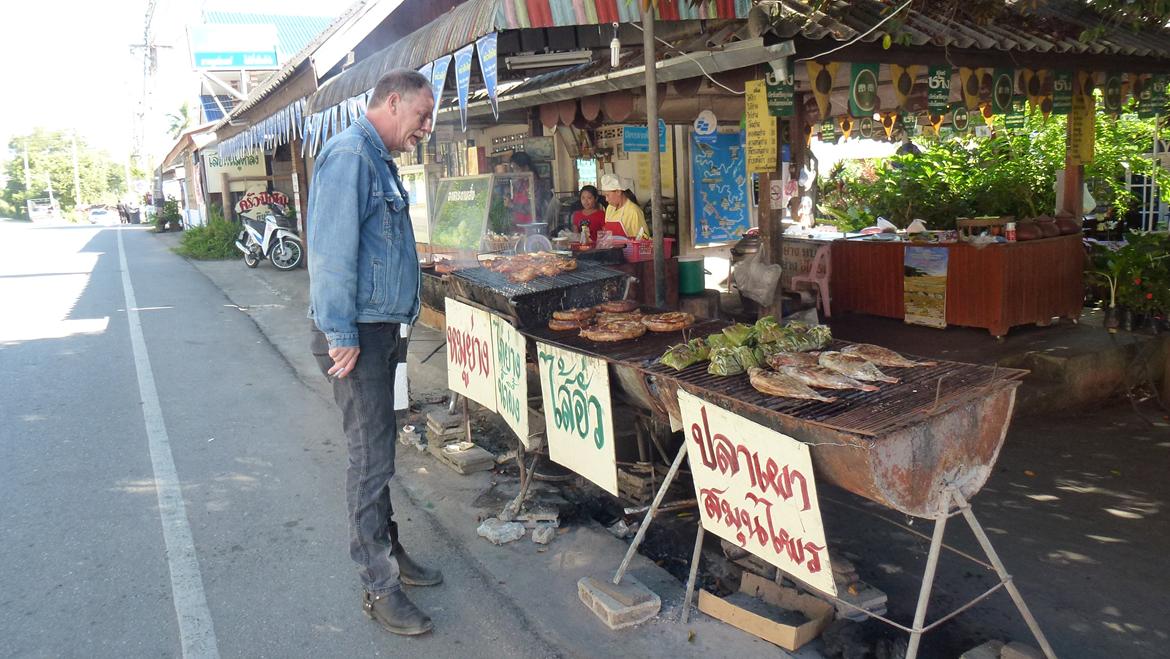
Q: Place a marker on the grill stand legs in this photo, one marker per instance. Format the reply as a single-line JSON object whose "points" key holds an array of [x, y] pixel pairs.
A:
{"points": [[936, 544], [641, 535]]}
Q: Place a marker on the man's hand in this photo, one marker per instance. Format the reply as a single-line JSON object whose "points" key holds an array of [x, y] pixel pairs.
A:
{"points": [[344, 361]]}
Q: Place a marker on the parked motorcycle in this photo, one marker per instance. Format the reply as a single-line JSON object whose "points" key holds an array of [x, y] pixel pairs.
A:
{"points": [[270, 240]]}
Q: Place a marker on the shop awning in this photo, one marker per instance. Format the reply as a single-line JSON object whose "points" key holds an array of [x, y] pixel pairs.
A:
{"points": [[476, 18]]}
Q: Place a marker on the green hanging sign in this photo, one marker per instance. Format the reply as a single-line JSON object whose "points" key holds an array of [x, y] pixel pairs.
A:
{"points": [[865, 128], [1158, 91], [1111, 93], [863, 87], [829, 130], [960, 119], [781, 90], [1014, 119], [1145, 96], [1062, 91], [910, 124], [938, 89], [1003, 88]]}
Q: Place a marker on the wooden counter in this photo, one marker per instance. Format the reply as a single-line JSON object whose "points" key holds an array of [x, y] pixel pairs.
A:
{"points": [[995, 287]]}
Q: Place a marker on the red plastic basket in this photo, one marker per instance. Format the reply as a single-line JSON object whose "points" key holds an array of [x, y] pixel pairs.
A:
{"points": [[643, 250]]}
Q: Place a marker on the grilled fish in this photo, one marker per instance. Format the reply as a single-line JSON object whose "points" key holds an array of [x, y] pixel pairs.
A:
{"points": [[853, 366], [824, 378], [785, 386], [881, 356], [781, 359]]}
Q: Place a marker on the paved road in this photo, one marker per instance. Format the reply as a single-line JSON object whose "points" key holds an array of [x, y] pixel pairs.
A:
{"points": [[177, 490]]}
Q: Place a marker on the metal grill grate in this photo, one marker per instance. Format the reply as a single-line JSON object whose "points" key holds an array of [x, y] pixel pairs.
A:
{"points": [[532, 303], [584, 274]]}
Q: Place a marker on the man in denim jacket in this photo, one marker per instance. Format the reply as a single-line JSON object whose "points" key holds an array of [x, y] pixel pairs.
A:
{"points": [[364, 283]]}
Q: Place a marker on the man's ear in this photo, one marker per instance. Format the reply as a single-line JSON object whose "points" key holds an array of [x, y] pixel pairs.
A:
{"points": [[392, 102]]}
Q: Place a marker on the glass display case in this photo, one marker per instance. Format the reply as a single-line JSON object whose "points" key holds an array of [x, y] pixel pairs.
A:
{"points": [[487, 213]]}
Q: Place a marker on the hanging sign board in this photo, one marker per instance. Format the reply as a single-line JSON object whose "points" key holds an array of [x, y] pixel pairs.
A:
{"points": [[438, 82], [720, 188], [756, 488], [1111, 97], [863, 86], [578, 414], [761, 129], [470, 371], [781, 90], [486, 47], [1014, 118], [829, 130], [865, 128], [1081, 130], [636, 139], [925, 286], [508, 349], [1062, 92], [960, 119], [938, 89], [1003, 85], [463, 80]]}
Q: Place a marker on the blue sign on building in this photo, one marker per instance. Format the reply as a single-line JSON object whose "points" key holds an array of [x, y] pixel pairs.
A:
{"points": [[636, 139]]}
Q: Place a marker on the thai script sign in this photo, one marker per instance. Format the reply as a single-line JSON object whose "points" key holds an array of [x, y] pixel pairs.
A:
{"points": [[938, 89], [511, 377], [438, 71], [486, 47], [233, 46], [761, 129], [863, 86], [1062, 92], [578, 414], [636, 139], [756, 488], [781, 88], [470, 367], [462, 81]]}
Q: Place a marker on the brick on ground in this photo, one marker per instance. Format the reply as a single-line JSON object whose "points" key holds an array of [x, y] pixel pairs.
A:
{"points": [[619, 606], [988, 650], [1017, 650]]}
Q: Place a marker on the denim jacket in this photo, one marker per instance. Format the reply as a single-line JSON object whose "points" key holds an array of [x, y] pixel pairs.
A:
{"points": [[363, 267]]}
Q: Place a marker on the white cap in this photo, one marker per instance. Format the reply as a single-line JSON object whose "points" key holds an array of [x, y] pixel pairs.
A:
{"points": [[610, 182]]}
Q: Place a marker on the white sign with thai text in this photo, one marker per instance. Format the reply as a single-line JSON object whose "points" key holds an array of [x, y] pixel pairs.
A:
{"points": [[511, 377], [470, 367], [578, 414], [755, 488]]}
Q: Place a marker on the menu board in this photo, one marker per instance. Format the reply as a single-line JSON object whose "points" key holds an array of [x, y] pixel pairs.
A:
{"points": [[509, 346], [470, 367], [461, 211], [720, 190]]}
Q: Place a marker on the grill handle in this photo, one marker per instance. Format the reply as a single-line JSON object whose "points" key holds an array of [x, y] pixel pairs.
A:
{"points": [[630, 281]]}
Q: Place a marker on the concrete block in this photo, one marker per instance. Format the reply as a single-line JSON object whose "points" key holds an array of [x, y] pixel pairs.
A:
{"points": [[989, 650], [608, 602], [544, 533], [1017, 650], [444, 419], [499, 533]]}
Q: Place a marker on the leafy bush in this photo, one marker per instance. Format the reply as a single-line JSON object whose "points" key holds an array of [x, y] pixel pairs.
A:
{"points": [[212, 241], [170, 215]]}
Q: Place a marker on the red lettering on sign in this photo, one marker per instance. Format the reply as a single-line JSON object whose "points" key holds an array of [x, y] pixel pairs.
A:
{"points": [[749, 526], [468, 351]]}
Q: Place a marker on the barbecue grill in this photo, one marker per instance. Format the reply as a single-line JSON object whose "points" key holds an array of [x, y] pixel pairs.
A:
{"points": [[531, 303], [900, 446]]}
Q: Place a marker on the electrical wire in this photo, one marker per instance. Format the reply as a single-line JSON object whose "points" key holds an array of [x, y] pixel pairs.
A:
{"points": [[697, 62], [860, 36]]}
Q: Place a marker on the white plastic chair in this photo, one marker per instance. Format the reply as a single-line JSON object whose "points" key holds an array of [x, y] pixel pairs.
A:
{"points": [[818, 276]]}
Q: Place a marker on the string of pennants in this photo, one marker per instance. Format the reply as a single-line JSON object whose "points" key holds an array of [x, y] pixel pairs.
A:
{"points": [[268, 133], [981, 94]]}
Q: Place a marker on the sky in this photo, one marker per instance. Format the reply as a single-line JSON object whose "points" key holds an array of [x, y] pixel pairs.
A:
{"points": [[69, 64]]}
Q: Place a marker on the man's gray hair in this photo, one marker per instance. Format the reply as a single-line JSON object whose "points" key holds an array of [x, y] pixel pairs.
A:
{"points": [[398, 81]]}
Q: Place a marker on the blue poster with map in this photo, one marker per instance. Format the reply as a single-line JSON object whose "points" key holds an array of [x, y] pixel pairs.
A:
{"points": [[720, 192]]}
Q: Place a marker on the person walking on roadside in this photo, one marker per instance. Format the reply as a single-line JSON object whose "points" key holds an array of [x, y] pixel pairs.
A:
{"points": [[363, 284]]}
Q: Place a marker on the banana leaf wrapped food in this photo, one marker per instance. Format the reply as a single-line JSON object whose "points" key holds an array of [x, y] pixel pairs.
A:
{"points": [[739, 334], [718, 340], [768, 329], [746, 356], [724, 362], [805, 338], [686, 354]]}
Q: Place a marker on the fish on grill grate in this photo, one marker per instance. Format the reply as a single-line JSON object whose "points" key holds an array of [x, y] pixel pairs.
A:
{"points": [[786, 386], [782, 359], [853, 366], [881, 356], [824, 378]]}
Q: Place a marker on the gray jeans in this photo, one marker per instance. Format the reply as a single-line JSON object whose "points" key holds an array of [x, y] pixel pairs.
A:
{"points": [[366, 399]]}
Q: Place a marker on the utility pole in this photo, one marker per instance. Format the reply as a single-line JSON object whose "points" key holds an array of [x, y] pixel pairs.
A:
{"points": [[76, 174], [27, 171], [656, 227]]}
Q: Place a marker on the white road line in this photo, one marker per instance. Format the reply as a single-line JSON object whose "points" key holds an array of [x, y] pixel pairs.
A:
{"points": [[196, 632]]}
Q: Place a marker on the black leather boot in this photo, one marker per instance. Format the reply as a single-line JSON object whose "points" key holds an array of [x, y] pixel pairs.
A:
{"points": [[397, 613], [413, 574]]}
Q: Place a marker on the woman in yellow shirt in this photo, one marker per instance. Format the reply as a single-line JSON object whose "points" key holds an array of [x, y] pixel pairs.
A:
{"points": [[623, 217]]}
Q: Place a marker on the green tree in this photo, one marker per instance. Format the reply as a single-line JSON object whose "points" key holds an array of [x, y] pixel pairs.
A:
{"points": [[179, 121], [50, 160]]}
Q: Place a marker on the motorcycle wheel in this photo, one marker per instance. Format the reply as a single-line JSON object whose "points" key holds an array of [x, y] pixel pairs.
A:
{"points": [[251, 260], [287, 255]]}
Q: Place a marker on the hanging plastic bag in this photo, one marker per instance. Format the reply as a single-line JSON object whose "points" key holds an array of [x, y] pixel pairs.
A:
{"points": [[757, 281]]}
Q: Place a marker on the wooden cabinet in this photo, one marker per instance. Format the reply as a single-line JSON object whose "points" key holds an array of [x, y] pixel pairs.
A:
{"points": [[995, 287]]}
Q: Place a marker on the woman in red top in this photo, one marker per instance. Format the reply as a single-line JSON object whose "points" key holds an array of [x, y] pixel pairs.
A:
{"points": [[591, 210]]}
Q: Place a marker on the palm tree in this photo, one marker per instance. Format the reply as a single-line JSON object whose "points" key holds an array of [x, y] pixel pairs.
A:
{"points": [[179, 121]]}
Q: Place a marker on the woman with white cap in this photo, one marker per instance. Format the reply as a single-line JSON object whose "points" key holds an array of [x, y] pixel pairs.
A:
{"points": [[623, 217]]}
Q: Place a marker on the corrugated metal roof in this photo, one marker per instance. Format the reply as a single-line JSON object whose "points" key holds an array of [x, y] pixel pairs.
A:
{"points": [[1053, 27], [292, 32], [475, 18]]}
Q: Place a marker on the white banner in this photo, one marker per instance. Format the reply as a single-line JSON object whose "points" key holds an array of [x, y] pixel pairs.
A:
{"points": [[511, 377], [470, 368], [756, 488], [578, 414]]}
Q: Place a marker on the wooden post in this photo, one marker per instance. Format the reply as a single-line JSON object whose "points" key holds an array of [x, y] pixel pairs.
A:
{"points": [[225, 196], [300, 184]]}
